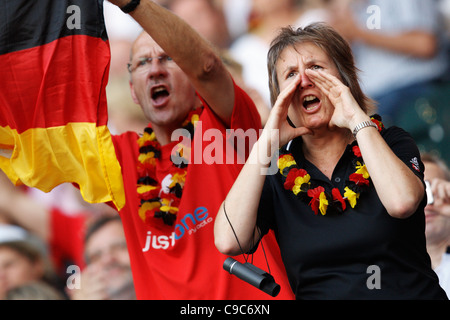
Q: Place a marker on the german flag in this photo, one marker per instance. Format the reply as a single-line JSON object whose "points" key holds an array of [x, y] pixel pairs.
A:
{"points": [[54, 58]]}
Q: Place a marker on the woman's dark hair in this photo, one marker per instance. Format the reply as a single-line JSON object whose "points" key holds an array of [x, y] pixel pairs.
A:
{"points": [[327, 39]]}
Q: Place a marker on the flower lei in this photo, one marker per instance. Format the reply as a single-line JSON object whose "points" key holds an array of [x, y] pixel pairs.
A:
{"points": [[154, 201], [298, 181]]}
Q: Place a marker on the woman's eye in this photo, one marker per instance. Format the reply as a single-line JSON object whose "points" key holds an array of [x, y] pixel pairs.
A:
{"points": [[290, 75], [316, 67]]}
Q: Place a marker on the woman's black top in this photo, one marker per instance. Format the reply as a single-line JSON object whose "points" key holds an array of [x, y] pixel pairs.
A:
{"points": [[361, 253]]}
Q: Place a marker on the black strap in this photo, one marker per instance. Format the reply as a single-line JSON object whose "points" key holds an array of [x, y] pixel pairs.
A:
{"points": [[130, 6]]}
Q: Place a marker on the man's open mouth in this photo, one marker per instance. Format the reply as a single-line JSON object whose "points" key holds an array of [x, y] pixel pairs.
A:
{"points": [[159, 94]]}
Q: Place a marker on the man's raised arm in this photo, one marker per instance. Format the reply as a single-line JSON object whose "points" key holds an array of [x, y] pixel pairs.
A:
{"points": [[193, 54]]}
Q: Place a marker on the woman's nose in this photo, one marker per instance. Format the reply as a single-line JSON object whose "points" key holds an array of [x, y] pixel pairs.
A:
{"points": [[305, 82]]}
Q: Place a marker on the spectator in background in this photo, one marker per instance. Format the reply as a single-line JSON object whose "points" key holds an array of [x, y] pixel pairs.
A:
{"points": [[107, 275], [206, 17], [62, 233], [100, 251], [437, 214], [236, 14], [266, 18], [37, 290], [397, 46], [22, 260], [444, 7]]}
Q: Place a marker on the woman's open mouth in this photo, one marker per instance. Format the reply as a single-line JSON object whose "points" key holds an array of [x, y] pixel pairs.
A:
{"points": [[310, 102]]}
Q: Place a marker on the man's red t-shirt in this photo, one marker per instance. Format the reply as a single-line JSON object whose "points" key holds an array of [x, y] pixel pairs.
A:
{"points": [[181, 262]]}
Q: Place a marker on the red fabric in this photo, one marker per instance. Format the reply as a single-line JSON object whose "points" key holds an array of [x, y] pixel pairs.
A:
{"points": [[66, 239], [45, 86], [191, 267], [53, 117]]}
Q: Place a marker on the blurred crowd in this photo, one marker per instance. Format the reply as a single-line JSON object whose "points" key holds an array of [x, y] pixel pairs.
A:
{"points": [[400, 47], [56, 246]]}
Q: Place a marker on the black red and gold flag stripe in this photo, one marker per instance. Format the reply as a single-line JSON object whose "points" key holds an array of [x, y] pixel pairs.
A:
{"points": [[54, 56]]}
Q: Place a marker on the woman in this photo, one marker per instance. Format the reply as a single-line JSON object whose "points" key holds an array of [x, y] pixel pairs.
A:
{"points": [[347, 203]]}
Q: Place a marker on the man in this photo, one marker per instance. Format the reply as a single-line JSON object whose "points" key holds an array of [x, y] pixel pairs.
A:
{"points": [[93, 243], [169, 236], [107, 275], [21, 260], [437, 215]]}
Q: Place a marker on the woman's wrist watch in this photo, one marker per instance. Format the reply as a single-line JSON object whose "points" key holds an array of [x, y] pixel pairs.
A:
{"points": [[362, 125]]}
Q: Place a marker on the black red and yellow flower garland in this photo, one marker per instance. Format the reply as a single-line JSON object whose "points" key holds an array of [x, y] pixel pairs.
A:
{"points": [[154, 202], [298, 181]]}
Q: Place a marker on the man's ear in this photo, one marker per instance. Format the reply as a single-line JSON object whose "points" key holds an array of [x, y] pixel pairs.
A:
{"points": [[133, 94]]}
